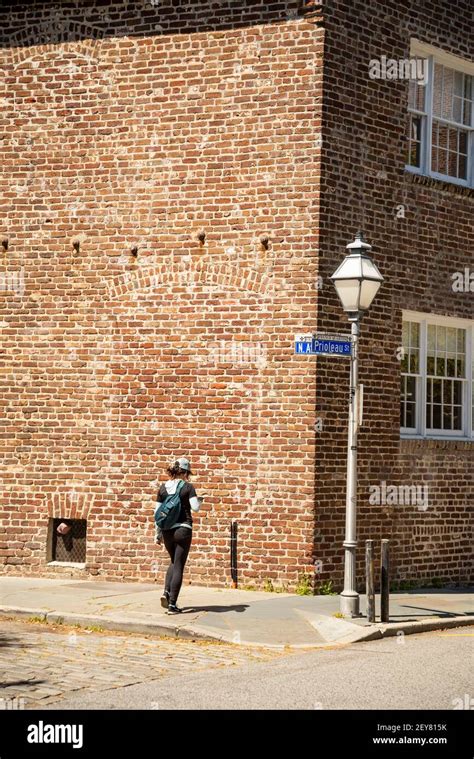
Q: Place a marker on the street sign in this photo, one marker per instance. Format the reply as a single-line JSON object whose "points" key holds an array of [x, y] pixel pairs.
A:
{"points": [[304, 344], [332, 345], [323, 344]]}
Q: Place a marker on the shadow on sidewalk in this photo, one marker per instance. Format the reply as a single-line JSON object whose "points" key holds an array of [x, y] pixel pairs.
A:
{"points": [[218, 609], [9, 641], [14, 683], [438, 612]]}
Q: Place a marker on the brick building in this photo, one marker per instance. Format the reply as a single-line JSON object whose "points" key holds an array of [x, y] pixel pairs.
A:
{"points": [[178, 183]]}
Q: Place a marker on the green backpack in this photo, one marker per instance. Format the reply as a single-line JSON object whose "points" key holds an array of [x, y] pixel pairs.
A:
{"points": [[167, 513]]}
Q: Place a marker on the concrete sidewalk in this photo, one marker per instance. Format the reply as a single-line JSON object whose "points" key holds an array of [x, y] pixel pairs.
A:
{"points": [[235, 616]]}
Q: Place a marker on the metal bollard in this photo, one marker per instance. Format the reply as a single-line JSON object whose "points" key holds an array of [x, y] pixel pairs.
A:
{"points": [[369, 579], [384, 582]]}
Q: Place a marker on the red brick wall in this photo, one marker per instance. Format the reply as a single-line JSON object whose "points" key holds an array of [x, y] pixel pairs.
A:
{"points": [[363, 182], [137, 126], [133, 126]]}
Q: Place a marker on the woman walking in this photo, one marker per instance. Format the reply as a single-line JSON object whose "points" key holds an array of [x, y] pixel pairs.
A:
{"points": [[177, 538]]}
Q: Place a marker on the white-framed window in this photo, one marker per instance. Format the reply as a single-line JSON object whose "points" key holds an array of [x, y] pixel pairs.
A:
{"points": [[440, 124], [437, 377]]}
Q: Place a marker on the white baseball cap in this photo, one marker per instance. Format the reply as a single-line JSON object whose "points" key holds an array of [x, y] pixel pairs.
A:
{"points": [[184, 464]]}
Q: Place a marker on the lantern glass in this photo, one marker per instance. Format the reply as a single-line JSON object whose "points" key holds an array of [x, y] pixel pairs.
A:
{"points": [[349, 293], [368, 290]]}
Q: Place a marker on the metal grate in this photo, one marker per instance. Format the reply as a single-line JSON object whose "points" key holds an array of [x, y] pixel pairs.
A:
{"points": [[70, 547]]}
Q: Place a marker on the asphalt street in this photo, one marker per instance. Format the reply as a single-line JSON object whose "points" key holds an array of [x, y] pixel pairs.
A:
{"points": [[426, 671]]}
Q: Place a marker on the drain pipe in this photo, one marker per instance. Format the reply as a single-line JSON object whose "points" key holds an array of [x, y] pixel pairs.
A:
{"points": [[384, 582], [233, 552]]}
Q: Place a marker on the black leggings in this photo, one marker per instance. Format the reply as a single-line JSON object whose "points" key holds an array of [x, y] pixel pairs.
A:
{"points": [[177, 543]]}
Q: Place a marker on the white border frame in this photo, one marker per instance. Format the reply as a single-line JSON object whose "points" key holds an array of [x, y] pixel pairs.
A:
{"points": [[421, 432]]}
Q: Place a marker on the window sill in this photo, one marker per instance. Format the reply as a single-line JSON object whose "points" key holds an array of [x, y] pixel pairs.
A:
{"points": [[438, 438], [73, 564], [440, 184]]}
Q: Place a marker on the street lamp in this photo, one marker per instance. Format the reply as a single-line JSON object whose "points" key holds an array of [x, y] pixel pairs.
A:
{"points": [[357, 281]]}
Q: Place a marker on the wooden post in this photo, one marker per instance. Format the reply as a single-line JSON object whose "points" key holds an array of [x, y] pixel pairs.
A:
{"points": [[384, 582], [369, 579]]}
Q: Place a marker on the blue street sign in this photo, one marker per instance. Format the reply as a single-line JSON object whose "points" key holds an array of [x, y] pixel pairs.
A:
{"points": [[329, 347], [304, 344], [323, 345]]}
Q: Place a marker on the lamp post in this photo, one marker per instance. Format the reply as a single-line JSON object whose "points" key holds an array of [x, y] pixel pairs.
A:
{"points": [[357, 281]]}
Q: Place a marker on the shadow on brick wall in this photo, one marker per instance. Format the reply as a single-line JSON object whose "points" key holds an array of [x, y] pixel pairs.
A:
{"points": [[24, 25]]}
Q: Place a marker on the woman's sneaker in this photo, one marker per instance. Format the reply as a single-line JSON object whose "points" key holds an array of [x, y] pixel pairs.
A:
{"points": [[165, 599], [173, 609]]}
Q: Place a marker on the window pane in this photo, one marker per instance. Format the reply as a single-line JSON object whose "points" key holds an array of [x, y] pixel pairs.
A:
{"points": [[410, 420], [457, 418], [402, 401], [416, 90], [409, 405], [429, 416], [437, 389], [412, 94], [420, 96], [440, 366], [431, 338], [468, 88], [447, 418], [406, 334], [415, 334], [442, 161], [460, 366], [451, 365], [448, 92], [410, 384], [447, 393], [440, 338], [414, 141], [458, 110], [436, 417], [466, 119], [437, 89], [414, 361], [457, 393], [452, 169], [459, 83], [451, 335]]}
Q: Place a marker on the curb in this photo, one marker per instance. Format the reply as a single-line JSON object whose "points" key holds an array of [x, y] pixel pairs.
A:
{"points": [[107, 623], [366, 634], [409, 628]]}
